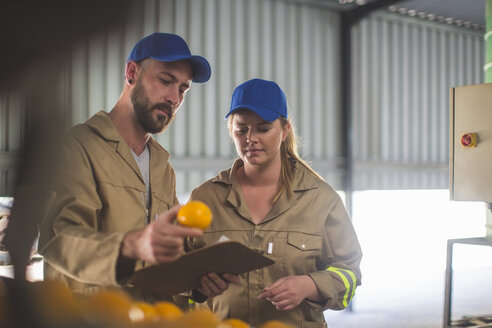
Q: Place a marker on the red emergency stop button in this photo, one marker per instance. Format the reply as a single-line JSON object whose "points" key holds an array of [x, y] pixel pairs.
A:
{"points": [[469, 140]]}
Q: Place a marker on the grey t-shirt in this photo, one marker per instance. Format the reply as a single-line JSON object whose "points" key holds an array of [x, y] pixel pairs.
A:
{"points": [[143, 161]]}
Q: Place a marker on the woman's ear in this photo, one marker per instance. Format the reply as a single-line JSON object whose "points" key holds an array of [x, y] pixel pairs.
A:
{"points": [[286, 130]]}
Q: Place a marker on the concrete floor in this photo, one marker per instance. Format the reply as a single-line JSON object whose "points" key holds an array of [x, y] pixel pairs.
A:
{"points": [[417, 303], [403, 235]]}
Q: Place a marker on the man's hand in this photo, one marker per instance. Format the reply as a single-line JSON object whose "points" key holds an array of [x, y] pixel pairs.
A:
{"points": [[213, 284], [158, 242], [288, 292]]}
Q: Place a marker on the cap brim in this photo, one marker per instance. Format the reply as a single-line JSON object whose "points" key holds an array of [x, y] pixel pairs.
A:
{"points": [[265, 113], [200, 66]]}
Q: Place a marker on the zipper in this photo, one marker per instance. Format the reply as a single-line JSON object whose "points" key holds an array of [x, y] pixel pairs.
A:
{"points": [[146, 213], [146, 210]]}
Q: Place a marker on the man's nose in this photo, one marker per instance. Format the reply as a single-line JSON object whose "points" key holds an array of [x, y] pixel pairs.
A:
{"points": [[173, 96]]}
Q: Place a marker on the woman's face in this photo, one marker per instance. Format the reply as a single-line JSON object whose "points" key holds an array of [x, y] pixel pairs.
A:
{"points": [[257, 141]]}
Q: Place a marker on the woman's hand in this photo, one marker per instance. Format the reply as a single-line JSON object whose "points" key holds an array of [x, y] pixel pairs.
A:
{"points": [[288, 292], [213, 284]]}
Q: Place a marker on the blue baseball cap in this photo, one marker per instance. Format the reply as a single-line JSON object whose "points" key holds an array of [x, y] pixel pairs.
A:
{"points": [[265, 98], [170, 47]]}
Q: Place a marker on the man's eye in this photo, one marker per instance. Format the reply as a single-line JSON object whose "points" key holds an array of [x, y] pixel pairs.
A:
{"points": [[165, 81]]}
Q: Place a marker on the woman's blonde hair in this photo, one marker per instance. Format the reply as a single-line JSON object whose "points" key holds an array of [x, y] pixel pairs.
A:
{"points": [[289, 155]]}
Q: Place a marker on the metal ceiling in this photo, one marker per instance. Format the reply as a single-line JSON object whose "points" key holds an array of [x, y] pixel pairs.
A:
{"points": [[464, 13], [468, 13]]}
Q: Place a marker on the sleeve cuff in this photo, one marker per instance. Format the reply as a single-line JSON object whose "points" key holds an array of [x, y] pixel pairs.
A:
{"points": [[125, 269], [197, 296]]}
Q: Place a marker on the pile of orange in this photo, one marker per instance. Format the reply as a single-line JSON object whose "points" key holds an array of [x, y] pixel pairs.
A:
{"points": [[57, 306]]}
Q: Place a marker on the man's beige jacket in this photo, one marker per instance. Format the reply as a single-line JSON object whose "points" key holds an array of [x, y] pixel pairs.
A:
{"points": [[100, 195]]}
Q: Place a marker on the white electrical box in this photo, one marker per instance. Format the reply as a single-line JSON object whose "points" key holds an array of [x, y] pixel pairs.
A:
{"points": [[470, 157]]}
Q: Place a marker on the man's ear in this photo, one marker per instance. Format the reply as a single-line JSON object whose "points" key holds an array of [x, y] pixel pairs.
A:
{"points": [[131, 71]]}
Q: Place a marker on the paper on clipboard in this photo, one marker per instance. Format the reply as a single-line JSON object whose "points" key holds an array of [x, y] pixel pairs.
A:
{"points": [[185, 273]]}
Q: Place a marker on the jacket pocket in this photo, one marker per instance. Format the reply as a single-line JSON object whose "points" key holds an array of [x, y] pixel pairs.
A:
{"points": [[302, 253], [162, 204], [304, 242]]}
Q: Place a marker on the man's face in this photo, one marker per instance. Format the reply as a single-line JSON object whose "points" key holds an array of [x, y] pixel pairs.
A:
{"points": [[159, 92]]}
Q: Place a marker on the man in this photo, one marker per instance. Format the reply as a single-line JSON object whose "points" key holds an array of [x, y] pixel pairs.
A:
{"points": [[115, 199]]}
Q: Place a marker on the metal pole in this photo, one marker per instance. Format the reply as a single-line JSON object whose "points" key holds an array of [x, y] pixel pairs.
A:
{"points": [[448, 285], [488, 41]]}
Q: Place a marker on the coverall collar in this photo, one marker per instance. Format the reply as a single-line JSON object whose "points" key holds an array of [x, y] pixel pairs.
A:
{"points": [[103, 125], [303, 180]]}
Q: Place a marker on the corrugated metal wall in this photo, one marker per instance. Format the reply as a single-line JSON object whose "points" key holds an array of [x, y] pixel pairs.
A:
{"points": [[402, 71], [401, 77], [290, 43], [293, 44]]}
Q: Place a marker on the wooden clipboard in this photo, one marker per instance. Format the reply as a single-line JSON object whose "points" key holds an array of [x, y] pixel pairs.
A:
{"points": [[184, 274]]}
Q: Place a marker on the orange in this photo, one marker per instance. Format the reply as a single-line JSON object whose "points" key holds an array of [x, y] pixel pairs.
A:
{"points": [[197, 319], [150, 313], [55, 302], [168, 311], [275, 324], [233, 323], [195, 214], [112, 306]]}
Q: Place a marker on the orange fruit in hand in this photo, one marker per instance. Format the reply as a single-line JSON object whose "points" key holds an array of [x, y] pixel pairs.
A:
{"points": [[168, 311], [195, 214], [233, 323]]}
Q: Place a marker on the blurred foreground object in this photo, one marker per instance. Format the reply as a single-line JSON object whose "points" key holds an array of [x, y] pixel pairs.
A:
{"points": [[37, 35]]}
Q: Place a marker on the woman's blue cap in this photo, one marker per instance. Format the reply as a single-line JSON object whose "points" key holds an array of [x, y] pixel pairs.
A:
{"points": [[265, 98], [170, 47]]}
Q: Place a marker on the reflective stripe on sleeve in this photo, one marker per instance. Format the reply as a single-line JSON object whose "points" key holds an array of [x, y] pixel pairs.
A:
{"points": [[349, 280]]}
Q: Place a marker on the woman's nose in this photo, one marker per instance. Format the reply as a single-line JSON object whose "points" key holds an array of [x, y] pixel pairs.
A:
{"points": [[251, 136]]}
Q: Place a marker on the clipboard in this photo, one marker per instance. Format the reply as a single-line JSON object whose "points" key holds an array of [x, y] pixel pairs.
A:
{"points": [[184, 274]]}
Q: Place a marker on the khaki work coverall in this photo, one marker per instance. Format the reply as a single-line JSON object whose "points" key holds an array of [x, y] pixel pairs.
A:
{"points": [[100, 195], [309, 233]]}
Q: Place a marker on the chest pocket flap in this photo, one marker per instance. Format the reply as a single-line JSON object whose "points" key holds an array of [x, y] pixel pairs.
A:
{"points": [[304, 241], [165, 198]]}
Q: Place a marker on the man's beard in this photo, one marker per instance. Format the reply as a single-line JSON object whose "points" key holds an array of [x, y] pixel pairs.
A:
{"points": [[143, 111]]}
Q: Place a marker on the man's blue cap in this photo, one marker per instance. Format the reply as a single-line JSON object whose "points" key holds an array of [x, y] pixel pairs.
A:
{"points": [[170, 47], [265, 98]]}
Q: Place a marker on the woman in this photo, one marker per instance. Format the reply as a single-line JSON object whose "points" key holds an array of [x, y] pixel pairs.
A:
{"points": [[271, 200]]}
